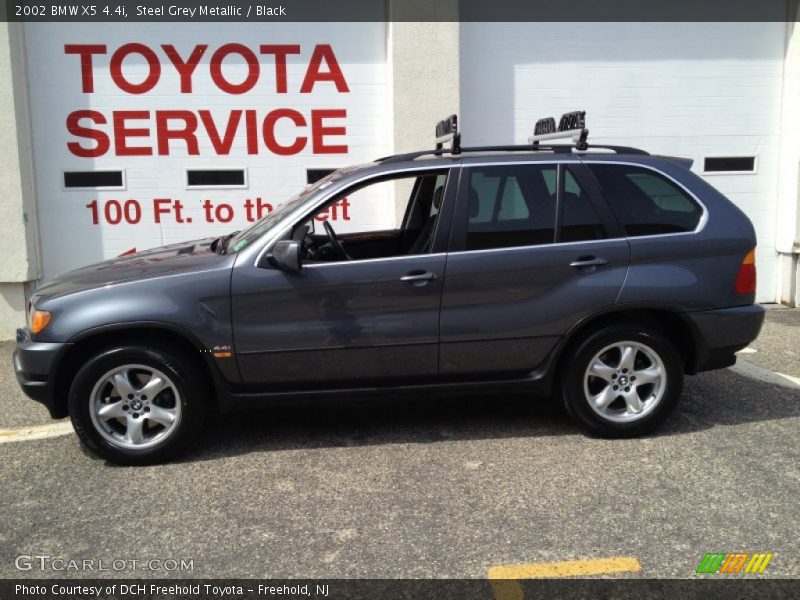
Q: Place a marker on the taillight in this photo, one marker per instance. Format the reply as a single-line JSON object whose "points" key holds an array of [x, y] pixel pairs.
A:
{"points": [[746, 278]]}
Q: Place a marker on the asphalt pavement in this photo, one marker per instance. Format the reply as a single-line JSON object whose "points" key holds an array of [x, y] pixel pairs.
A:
{"points": [[426, 487]]}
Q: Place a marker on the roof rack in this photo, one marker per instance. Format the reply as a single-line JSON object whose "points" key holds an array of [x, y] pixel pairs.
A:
{"points": [[447, 131], [572, 125]]}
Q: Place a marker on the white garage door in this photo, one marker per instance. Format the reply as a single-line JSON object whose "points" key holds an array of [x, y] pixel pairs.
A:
{"points": [[688, 89], [151, 134]]}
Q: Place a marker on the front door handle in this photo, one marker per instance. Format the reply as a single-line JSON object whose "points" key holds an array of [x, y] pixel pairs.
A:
{"points": [[419, 277], [588, 261]]}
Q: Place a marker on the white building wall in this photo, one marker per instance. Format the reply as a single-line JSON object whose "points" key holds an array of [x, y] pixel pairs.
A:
{"points": [[19, 260], [788, 209], [424, 59], [423, 63]]}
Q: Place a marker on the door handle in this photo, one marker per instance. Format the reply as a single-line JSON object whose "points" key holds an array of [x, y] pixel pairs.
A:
{"points": [[419, 277], [588, 261]]}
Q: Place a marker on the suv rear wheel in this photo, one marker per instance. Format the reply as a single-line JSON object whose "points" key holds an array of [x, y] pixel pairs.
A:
{"points": [[136, 405], [622, 380]]}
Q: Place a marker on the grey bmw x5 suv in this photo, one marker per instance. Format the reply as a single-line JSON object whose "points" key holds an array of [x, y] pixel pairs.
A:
{"points": [[599, 274]]}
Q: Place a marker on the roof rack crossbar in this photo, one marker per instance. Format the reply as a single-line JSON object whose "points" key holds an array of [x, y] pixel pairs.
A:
{"points": [[520, 148], [557, 148], [572, 125]]}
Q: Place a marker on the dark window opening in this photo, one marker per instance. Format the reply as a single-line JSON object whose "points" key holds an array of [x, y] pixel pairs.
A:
{"points": [[417, 197], [580, 220], [511, 206], [93, 179], [645, 202], [721, 164], [314, 175], [517, 206], [215, 178]]}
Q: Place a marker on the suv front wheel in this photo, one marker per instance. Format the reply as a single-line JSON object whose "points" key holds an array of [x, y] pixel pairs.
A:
{"points": [[136, 405], [622, 380]]}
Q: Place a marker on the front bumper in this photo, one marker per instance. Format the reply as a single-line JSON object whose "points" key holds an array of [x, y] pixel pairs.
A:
{"points": [[722, 332], [34, 365]]}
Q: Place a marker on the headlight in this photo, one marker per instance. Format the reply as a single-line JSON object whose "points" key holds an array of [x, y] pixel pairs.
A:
{"points": [[38, 320]]}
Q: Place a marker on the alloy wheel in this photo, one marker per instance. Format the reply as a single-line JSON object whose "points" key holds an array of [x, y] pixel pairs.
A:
{"points": [[135, 406], [625, 381]]}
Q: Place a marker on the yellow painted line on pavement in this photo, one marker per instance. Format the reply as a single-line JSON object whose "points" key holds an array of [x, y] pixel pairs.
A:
{"points": [[570, 568], [503, 578], [39, 432]]}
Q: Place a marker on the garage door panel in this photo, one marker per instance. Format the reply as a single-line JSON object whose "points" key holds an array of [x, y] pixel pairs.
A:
{"points": [[685, 89]]}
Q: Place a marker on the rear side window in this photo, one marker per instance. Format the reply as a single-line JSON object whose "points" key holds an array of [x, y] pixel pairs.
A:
{"points": [[510, 206], [438, 194], [645, 202]]}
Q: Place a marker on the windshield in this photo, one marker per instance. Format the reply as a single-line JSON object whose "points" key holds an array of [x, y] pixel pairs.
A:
{"points": [[259, 228]]}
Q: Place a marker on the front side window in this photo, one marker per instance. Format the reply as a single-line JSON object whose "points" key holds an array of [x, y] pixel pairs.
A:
{"points": [[645, 202], [397, 216], [246, 237]]}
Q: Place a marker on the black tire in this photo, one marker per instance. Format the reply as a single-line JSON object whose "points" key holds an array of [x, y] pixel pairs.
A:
{"points": [[191, 401], [574, 378]]}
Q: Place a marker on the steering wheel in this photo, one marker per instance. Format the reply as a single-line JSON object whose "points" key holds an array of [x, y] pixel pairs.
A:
{"points": [[337, 245]]}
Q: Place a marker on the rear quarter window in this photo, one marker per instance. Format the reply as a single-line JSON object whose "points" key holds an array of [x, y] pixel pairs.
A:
{"points": [[646, 202]]}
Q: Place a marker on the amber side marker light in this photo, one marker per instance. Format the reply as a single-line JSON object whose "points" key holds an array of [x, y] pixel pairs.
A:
{"points": [[746, 278], [39, 320]]}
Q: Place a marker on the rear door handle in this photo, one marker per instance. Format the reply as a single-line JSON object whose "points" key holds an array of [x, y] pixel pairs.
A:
{"points": [[419, 277], [588, 261]]}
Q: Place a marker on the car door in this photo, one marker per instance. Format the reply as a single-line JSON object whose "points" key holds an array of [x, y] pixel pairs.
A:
{"points": [[345, 322], [534, 249]]}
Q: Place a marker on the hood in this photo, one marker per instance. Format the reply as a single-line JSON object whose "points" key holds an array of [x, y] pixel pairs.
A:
{"points": [[166, 260]]}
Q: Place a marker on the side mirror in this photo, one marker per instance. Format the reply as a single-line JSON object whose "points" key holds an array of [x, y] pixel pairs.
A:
{"points": [[285, 256]]}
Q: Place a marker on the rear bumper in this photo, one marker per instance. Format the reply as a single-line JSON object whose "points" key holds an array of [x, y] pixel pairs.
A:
{"points": [[34, 366], [722, 332]]}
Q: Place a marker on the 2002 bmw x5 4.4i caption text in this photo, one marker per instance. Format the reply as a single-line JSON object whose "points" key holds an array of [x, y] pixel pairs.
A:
{"points": [[599, 273]]}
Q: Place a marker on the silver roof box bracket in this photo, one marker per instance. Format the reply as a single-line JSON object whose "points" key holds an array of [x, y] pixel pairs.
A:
{"points": [[572, 125], [447, 131]]}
